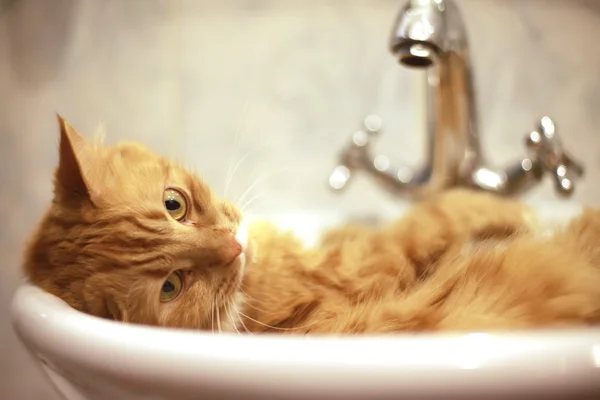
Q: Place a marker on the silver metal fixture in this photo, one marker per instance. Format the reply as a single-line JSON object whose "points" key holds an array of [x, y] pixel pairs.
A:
{"points": [[430, 34]]}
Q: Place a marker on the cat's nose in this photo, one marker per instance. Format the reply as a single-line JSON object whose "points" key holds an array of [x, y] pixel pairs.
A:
{"points": [[232, 250]]}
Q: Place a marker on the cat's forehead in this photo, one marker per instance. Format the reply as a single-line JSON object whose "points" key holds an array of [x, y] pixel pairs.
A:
{"points": [[139, 160], [135, 171]]}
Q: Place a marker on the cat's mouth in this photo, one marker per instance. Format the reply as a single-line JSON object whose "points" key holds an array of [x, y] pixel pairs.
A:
{"points": [[231, 284], [242, 238]]}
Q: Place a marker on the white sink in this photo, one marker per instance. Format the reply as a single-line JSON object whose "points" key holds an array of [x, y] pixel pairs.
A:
{"points": [[90, 358]]}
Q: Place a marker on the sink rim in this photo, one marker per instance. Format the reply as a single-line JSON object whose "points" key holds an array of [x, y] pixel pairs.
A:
{"points": [[553, 361]]}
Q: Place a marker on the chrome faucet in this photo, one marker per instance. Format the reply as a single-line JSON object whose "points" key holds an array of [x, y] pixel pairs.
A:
{"points": [[430, 34]]}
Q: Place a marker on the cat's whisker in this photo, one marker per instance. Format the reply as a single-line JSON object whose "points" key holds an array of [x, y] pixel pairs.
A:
{"points": [[231, 173], [236, 143], [276, 327], [252, 186], [247, 204], [218, 318], [258, 309], [228, 313], [246, 295], [237, 165], [263, 324], [262, 178], [231, 311], [273, 167], [242, 322], [212, 317]]}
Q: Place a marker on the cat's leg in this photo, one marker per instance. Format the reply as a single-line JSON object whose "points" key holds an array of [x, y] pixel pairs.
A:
{"points": [[528, 283], [366, 263], [457, 218], [582, 235], [581, 239]]}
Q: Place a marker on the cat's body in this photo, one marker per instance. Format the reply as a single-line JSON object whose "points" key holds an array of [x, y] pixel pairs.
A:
{"points": [[462, 261], [120, 244]]}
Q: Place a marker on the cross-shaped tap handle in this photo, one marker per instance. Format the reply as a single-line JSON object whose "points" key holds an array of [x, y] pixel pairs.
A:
{"points": [[355, 155], [546, 147]]}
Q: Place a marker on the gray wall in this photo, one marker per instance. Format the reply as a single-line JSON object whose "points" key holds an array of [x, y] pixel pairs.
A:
{"points": [[289, 78]]}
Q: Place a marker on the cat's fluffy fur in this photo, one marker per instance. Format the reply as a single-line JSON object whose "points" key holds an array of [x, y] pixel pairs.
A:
{"points": [[462, 260]]}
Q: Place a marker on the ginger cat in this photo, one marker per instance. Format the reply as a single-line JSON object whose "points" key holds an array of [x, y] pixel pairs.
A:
{"points": [[134, 237]]}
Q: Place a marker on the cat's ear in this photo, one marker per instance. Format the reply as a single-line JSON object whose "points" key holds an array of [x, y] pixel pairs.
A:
{"points": [[69, 174]]}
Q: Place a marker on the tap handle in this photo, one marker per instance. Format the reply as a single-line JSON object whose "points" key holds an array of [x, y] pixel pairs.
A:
{"points": [[546, 146], [355, 153], [340, 177]]}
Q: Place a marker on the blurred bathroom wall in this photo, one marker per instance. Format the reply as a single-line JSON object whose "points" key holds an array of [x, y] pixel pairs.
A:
{"points": [[281, 83]]}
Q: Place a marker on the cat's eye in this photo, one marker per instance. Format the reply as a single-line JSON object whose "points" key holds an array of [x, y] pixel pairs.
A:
{"points": [[175, 203], [171, 288]]}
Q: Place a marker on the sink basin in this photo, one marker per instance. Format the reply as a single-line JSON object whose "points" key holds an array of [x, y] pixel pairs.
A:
{"points": [[91, 358]]}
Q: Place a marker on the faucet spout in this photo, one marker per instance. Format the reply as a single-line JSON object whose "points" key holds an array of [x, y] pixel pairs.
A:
{"points": [[431, 35], [424, 30]]}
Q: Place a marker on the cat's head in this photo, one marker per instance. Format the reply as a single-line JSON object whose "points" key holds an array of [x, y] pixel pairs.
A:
{"points": [[134, 237]]}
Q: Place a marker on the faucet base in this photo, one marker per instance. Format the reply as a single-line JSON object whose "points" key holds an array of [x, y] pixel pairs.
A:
{"points": [[547, 156]]}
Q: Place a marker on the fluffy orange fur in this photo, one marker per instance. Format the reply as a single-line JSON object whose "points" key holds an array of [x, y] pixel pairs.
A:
{"points": [[462, 260]]}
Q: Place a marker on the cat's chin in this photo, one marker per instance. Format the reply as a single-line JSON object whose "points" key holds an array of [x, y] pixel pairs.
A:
{"points": [[233, 297], [230, 318], [241, 266]]}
